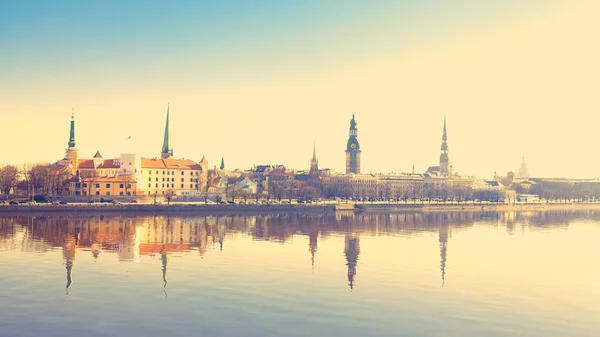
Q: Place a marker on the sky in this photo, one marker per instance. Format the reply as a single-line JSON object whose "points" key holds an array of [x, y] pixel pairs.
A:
{"points": [[257, 82]]}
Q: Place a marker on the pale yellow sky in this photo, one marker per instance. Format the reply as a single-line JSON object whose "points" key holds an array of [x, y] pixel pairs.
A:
{"points": [[521, 86]]}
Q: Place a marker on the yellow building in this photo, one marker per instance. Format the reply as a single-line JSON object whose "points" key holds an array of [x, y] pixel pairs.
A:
{"points": [[102, 186]]}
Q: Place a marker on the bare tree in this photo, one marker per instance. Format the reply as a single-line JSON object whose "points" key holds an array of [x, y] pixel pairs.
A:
{"points": [[169, 194], [9, 176]]}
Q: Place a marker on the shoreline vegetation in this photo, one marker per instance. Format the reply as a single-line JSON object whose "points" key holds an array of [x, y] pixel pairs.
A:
{"points": [[293, 208]]}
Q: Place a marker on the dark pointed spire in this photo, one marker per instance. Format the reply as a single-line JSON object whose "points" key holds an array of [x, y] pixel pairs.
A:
{"points": [[72, 132], [315, 151], [167, 150], [444, 136], [222, 163]]}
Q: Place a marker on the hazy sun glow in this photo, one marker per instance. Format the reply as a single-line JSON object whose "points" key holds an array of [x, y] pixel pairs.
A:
{"points": [[258, 82]]}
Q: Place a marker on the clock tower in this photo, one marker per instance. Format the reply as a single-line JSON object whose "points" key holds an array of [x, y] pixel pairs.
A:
{"points": [[353, 150]]}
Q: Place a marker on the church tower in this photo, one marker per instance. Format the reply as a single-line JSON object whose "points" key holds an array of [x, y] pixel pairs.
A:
{"points": [[71, 155], [314, 162], [353, 150], [167, 150], [445, 167]]}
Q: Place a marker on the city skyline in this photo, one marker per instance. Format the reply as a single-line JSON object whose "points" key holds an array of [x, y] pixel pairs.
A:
{"points": [[513, 80]]}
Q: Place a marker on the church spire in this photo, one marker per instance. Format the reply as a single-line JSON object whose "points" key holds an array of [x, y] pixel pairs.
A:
{"points": [[445, 168], [222, 163], [72, 132], [167, 150], [314, 162]]}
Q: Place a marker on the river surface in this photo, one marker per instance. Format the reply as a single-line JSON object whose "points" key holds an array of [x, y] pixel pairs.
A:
{"points": [[380, 274]]}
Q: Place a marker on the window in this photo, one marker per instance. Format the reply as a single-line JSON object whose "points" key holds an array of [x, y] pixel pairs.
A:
{"points": [[163, 172], [191, 173], [121, 185], [163, 185], [149, 172], [173, 172], [156, 185], [107, 193], [181, 185], [107, 185], [181, 179], [149, 179], [77, 185], [191, 180], [173, 185], [120, 193], [128, 185], [156, 172], [182, 173], [84, 185], [149, 185], [97, 192], [97, 185], [157, 178], [163, 179], [196, 185], [128, 193], [191, 185]]}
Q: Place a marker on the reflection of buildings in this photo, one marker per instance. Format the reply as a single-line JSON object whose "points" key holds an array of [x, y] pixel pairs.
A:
{"points": [[131, 238], [351, 250]]}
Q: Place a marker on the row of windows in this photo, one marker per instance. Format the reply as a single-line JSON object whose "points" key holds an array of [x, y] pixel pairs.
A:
{"points": [[173, 172], [173, 185], [107, 185], [173, 179], [108, 193]]}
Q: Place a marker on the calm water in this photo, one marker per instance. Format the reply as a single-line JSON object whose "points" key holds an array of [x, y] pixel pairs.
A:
{"points": [[407, 274]]}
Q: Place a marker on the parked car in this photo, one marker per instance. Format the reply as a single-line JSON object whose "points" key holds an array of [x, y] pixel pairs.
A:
{"points": [[62, 202], [116, 202], [133, 201], [13, 203]]}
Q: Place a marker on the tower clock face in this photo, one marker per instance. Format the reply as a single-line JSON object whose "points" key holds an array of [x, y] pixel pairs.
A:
{"points": [[353, 146]]}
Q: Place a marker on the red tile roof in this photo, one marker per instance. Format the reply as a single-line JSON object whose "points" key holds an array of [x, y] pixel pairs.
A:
{"points": [[159, 163]]}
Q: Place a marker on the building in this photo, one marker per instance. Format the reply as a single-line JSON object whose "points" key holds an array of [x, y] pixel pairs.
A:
{"points": [[523, 171], [353, 150], [101, 186], [147, 176]]}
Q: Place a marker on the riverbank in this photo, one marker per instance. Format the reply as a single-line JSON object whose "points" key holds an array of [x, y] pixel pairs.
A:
{"points": [[477, 207], [177, 208]]}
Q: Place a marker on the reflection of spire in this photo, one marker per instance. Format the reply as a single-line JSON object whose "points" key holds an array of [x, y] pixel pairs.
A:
{"points": [[351, 250], [164, 259], [443, 238], [203, 237], [222, 232], [69, 251], [313, 234]]}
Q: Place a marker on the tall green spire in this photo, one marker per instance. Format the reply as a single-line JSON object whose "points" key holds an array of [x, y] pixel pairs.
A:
{"points": [[167, 150], [72, 133], [222, 163]]}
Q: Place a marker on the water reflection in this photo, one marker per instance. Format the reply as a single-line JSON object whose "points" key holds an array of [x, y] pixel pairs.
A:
{"points": [[130, 236]]}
